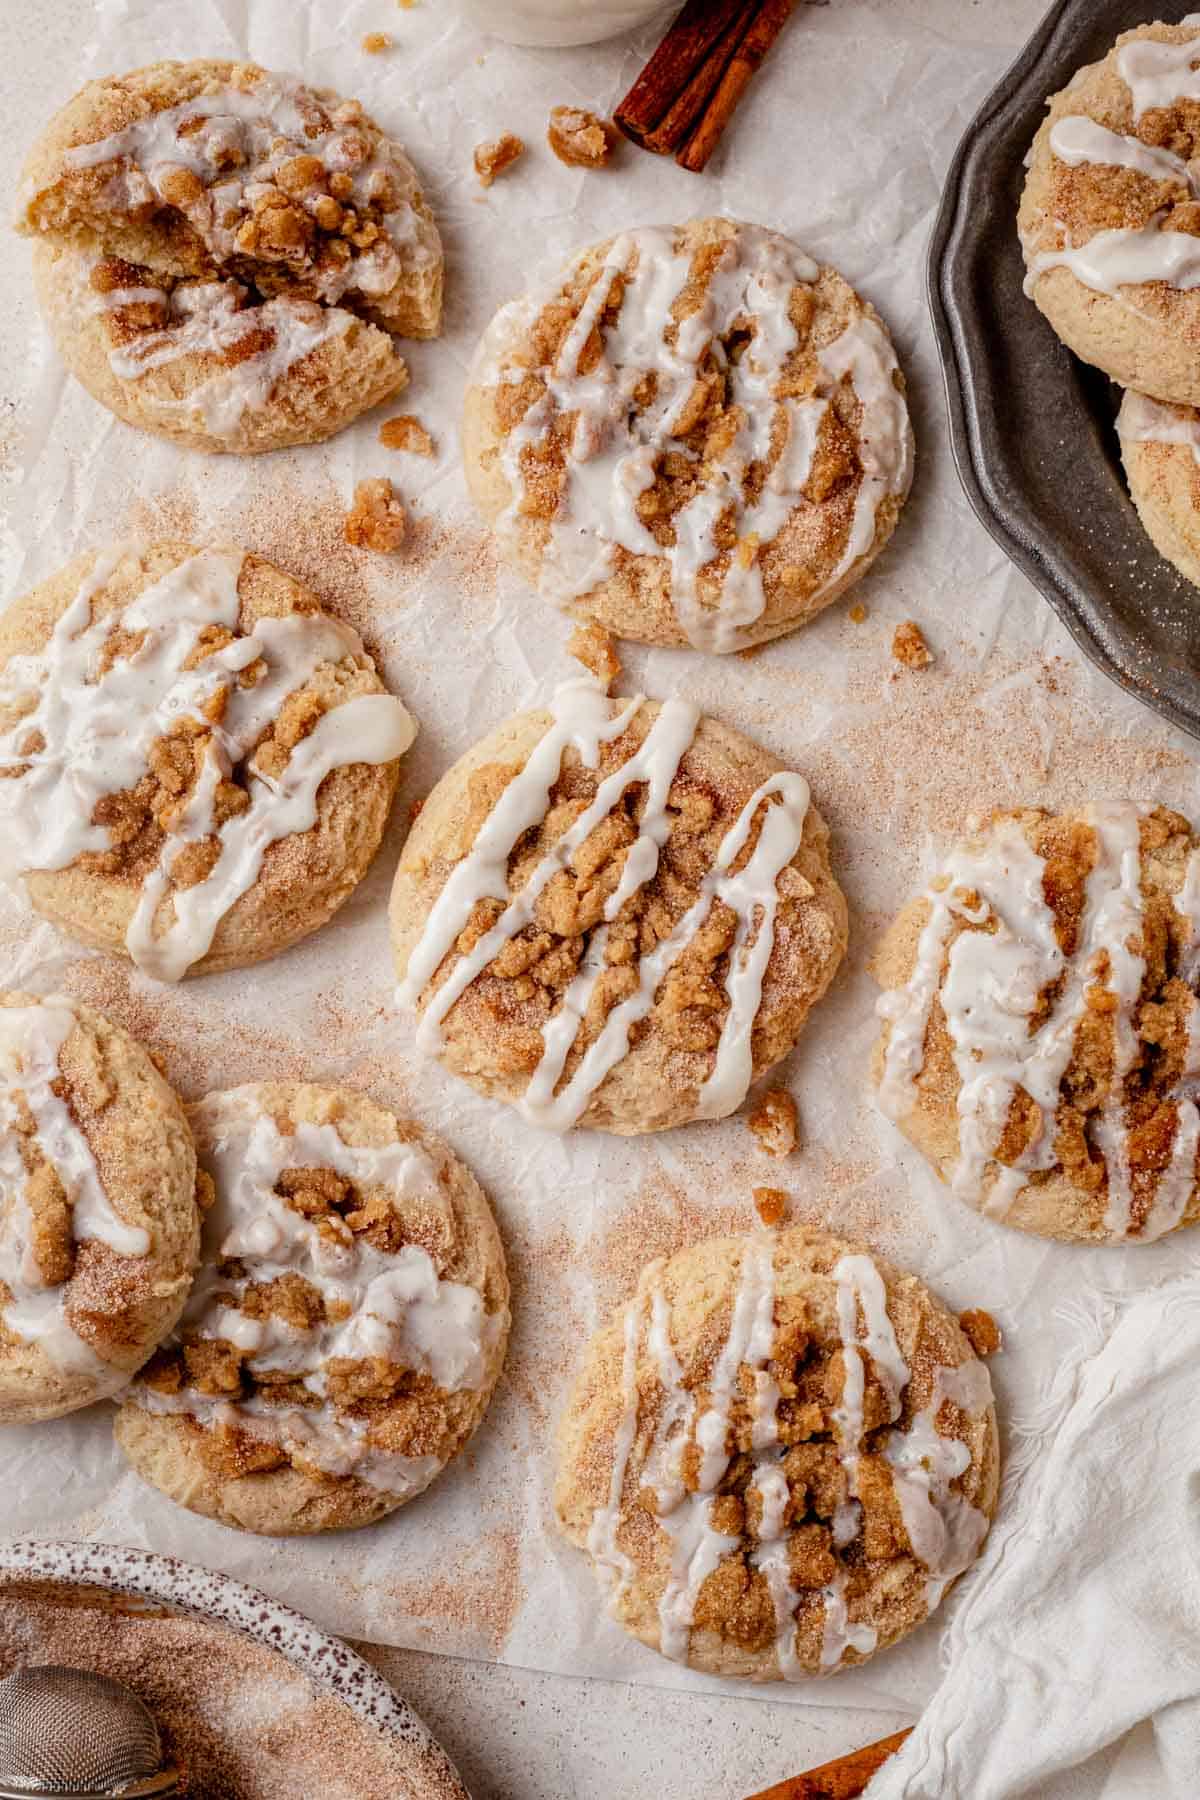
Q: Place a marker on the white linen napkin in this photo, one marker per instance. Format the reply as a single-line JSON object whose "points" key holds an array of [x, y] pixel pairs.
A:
{"points": [[1082, 1621]]}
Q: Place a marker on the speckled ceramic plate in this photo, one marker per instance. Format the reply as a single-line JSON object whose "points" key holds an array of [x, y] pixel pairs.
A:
{"points": [[1031, 427], [165, 1582]]}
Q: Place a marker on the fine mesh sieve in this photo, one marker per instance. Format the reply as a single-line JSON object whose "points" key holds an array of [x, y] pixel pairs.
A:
{"points": [[70, 1733]]}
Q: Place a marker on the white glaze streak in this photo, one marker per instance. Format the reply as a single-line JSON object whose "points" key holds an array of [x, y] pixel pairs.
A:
{"points": [[617, 445], [1145, 421], [393, 1306], [31, 1039], [581, 718], [97, 727], [945, 1530], [991, 983]]}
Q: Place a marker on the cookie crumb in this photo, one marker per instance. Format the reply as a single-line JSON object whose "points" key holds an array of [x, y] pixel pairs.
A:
{"points": [[406, 432], [376, 42], [580, 138], [909, 647], [491, 159], [596, 649], [858, 613], [981, 1332], [771, 1205], [774, 1123], [377, 520]]}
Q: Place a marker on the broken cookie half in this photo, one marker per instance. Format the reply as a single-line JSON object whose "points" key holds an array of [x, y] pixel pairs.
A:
{"points": [[225, 254]]}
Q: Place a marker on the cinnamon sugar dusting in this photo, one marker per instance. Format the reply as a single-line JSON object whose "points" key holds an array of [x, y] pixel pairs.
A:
{"points": [[477, 1596], [243, 1723]]}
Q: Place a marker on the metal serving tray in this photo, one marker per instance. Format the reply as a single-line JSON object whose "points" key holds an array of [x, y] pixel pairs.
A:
{"points": [[1032, 427]]}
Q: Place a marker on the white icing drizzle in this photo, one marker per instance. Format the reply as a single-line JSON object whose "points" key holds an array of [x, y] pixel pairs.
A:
{"points": [[210, 319], [31, 1038], [581, 719], [1119, 258], [1145, 421], [1158, 73], [1122, 257], [1077, 140], [117, 298], [943, 1528], [611, 1561], [393, 1306], [989, 986], [923, 1462], [617, 445], [235, 152], [1177, 1181], [96, 731], [697, 1547], [840, 1633]]}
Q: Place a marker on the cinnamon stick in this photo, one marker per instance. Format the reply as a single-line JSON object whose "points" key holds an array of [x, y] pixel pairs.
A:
{"points": [[681, 119], [764, 28], [840, 1780], [684, 50]]}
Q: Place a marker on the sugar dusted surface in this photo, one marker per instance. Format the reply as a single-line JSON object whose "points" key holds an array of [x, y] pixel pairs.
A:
{"points": [[1007, 712], [241, 1722]]}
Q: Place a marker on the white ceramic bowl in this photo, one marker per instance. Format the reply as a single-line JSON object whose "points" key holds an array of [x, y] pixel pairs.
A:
{"points": [[558, 22], [183, 1587]]}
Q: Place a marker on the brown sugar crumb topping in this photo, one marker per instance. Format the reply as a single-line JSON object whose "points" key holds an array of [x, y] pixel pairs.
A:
{"points": [[522, 986], [775, 1124], [596, 649], [580, 138], [704, 428], [377, 520], [403, 1410], [909, 646], [981, 1332], [771, 1205], [280, 221], [406, 432], [1156, 1018], [491, 159], [735, 1600]]}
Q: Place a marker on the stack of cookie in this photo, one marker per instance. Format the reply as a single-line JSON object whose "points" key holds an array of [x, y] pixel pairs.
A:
{"points": [[1110, 228], [611, 914]]}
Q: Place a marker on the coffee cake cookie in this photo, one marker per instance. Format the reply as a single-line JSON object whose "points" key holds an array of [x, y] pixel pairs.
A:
{"points": [[196, 762], [1160, 447], [1110, 215], [224, 253], [694, 435], [347, 1326], [98, 1223], [779, 1455], [1041, 1031], [615, 914]]}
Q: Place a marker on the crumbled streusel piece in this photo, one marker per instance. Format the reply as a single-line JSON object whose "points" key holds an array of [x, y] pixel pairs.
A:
{"points": [[377, 520], [580, 138], [774, 1123], [770, 1204], [491, 159], [596, 649], [910, 648], [376, 42], [981, 1332], [406, 433]]}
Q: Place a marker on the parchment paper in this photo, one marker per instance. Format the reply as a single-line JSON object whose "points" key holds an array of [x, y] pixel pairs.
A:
{"points": [[842, 144]]}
